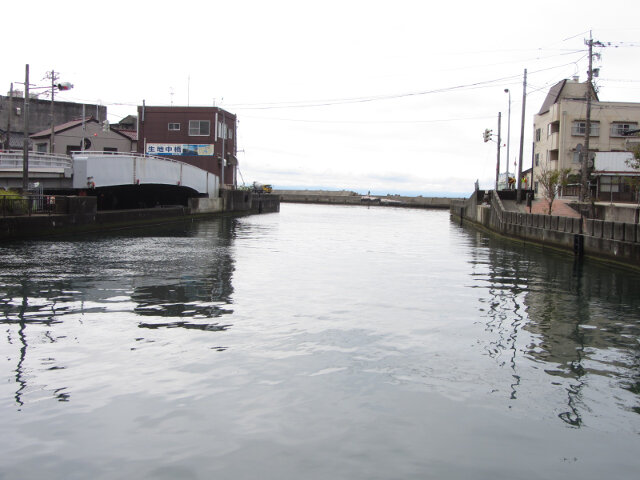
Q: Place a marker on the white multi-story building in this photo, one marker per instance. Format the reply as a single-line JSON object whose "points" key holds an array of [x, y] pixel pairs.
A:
{"points": [[560, 127]]}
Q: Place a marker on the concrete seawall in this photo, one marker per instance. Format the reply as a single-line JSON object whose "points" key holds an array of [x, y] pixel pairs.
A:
{"points": [[352, 198], [80, 214], [607, 240]]}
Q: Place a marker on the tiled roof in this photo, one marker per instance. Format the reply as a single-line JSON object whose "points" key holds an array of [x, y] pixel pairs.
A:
{"points": [[130, 134], [62, 127]]}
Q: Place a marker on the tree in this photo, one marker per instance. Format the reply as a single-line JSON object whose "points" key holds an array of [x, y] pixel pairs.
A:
{"points": [[635, 164], [551, 181]]}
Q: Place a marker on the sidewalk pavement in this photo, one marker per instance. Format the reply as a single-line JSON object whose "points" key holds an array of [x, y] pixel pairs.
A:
{"points": [[560, 208], [541, 206]]}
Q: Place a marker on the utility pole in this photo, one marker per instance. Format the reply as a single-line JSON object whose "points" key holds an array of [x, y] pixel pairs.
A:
{"points": [[585, 194], [506, 90], [25, 142], [524, 100], [498, 161], [53, 77]]}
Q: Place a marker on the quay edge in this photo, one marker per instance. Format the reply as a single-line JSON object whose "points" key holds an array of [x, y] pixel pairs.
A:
{"points": [[326, 197], [77, 215], [612, 241]]}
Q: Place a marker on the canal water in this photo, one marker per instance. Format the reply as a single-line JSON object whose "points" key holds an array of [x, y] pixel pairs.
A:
{"points": [[321, 342]]}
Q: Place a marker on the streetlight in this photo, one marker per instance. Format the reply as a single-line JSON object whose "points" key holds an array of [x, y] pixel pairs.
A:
{"points": [[506, 90]]}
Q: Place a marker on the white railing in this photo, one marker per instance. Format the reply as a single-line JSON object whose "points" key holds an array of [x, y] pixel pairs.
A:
{"points": [[14, 159], [92, 153]]}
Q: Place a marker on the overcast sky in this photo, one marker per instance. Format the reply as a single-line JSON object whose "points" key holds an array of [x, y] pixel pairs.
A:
{"points": [[387, 97]]}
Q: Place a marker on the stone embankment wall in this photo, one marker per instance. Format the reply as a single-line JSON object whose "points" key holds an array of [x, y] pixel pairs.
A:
{"points": [[80, 214], [352, 198], [618, 241]]}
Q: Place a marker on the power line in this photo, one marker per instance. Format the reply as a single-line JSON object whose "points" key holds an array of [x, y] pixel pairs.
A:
{"points": [[371, 122], [344, 101]]}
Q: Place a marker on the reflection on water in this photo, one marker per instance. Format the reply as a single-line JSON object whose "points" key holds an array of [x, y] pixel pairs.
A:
{"points": [[210, 327], [582, 323], [320, 342], [155, 277]]}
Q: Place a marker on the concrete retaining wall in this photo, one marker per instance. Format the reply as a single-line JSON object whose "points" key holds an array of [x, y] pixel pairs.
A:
{"points": [[618, 241], [205, 205], [351, 198], [79, 214], [262, 203]]}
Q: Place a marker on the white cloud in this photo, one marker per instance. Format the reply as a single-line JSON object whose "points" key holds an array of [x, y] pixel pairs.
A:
{"points": [[250, 52]]}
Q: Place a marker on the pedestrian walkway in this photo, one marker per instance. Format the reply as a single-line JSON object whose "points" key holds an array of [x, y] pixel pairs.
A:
{"points": [[560, 208]]}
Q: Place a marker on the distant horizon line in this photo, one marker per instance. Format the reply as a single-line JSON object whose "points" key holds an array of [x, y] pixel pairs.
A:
{"points": [[376, 192]]}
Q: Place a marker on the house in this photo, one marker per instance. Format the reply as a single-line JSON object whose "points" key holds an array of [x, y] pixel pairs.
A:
{"points": [[615, 179], [194, 135], [83, 135], [129, 123], [560, 127]]}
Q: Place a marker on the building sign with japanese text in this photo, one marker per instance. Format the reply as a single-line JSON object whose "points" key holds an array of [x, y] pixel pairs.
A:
{"points": [[179, 149]]}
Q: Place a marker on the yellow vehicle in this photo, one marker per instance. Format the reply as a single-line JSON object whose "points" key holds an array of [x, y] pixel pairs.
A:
{"points": [[262, 188]]}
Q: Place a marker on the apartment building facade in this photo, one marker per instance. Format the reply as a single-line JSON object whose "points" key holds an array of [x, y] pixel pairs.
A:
{"points": [[560, 127], [201, 136]]}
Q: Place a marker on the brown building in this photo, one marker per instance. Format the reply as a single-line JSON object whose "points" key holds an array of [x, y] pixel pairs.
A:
{"points": [[194, 135]]}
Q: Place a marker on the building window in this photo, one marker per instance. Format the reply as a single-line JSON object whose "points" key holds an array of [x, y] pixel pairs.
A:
{"points": [[609, 184], [579, 128], [224, 131], [538, 134], [576, 157], [174, 127], [618, 129], [537, 159], [42, 148], [535, 187], [199, 128]]}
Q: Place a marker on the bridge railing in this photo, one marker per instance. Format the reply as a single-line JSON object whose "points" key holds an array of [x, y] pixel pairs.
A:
{"points": [[92, 153], [14, 159]]}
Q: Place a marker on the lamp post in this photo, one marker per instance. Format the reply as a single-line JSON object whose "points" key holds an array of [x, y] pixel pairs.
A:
{"points": [[506, 90]]}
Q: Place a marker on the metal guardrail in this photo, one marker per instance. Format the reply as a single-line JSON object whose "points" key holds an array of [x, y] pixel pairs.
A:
{"points": [[26, 205], [14, 159]]}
